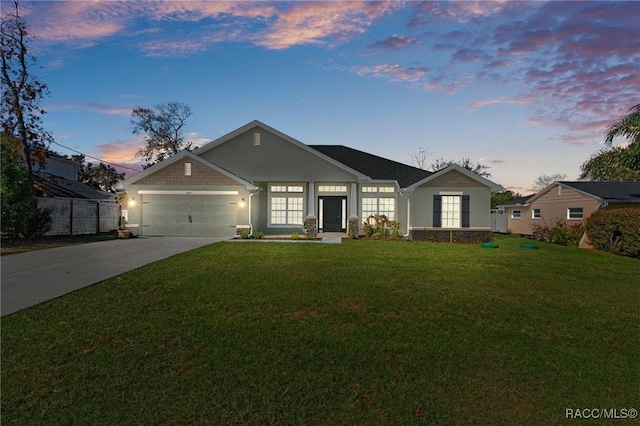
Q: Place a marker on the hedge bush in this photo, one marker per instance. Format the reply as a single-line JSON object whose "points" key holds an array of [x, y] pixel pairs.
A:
{"points": [[616, 231], [559, 233]]}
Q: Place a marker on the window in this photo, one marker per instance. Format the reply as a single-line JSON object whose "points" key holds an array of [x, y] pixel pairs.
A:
{"points": [[378, 189], [286, 208], [373, 206], [516, 214], [451, 211], [187, 169], [332, 188], [284, 188], [574, 213], [535, 214]]}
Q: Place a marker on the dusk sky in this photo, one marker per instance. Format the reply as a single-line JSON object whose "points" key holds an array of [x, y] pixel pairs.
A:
{"points": [[526, 88]]}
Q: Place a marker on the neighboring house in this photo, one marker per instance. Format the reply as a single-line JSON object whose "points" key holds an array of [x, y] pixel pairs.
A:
{"points": [[568, 202], [75, 208], [56, 165], [257, 178]]}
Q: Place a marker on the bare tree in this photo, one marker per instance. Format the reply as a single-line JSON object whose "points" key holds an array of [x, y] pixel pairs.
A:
{"points": [[419, 157], [543, 181], [163, 127], [21, 90], [477, 168]]}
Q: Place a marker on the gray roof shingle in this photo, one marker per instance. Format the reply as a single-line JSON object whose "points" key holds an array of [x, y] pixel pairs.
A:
{"points": [[613, 192], [373, 166]]}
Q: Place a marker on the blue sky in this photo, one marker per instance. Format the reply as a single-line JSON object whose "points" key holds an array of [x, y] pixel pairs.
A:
{"points": [[526, 88]]}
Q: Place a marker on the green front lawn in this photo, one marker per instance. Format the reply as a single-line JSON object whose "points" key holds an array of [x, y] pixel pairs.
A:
{"points": [[367, 332]]}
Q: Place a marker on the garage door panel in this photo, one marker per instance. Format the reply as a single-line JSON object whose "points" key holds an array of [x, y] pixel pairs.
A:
{"points": [[168, 214]]}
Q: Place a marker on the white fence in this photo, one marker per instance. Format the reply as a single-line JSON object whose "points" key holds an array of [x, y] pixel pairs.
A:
{"points": [[499, 221], [71, 216]]}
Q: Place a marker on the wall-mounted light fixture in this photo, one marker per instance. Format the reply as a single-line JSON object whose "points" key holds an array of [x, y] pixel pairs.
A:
{"points": [[242, 203], [132, 201]]}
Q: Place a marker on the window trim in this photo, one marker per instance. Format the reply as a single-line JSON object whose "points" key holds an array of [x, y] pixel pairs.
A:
{"points": [[443, 211], [288, 191], [377, 197], [575, 218], [514, 217], [534, 216]]}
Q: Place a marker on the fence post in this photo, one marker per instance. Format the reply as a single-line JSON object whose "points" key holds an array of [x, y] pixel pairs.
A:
{"points": [[71, 218], [97, 217]]}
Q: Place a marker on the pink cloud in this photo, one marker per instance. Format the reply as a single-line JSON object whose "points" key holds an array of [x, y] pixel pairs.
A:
{"points": [[121, 152], [394, 42], [521, 100], [312, 22], [456, 10], [393, 72], [91, 106], [576, 63]]}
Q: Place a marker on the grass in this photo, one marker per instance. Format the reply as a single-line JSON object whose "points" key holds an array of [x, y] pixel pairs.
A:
{"points": [[47, 242], [366, 332]]}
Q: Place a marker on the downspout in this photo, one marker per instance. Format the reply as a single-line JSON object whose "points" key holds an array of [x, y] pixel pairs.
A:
{"points": [[250, 211], [251, 194], [408, 212]]}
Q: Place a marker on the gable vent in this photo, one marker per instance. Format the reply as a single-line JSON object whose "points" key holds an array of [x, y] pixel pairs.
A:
{"points": [[256, 139]]}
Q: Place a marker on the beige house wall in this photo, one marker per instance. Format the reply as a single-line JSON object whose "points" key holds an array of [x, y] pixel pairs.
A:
{"points": [[522, 225], [553, 205]]}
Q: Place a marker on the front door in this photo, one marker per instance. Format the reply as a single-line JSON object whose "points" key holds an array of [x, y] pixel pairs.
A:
{"points": [[332, 214]]}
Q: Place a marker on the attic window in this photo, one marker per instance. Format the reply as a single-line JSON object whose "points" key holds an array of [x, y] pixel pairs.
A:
{"points": [[256, 139], [187, 169]]}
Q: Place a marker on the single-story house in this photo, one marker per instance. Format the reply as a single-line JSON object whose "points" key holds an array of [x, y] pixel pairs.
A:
{"points": [[568, 202], [257, 178]]}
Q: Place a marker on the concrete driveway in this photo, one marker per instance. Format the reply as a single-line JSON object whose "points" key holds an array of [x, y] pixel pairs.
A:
{"points": [[37, 276]]}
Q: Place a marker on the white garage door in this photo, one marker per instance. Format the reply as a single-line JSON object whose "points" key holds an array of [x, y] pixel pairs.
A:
{"points": [[189, 214]]}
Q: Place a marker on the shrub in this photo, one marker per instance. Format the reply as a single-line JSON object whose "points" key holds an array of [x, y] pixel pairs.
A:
{"points": [[352, 234], [559, 233], [21, 217], [616, 231], [368, 229], [258, 235], [378, 226], [295, 236], [244, 235]]}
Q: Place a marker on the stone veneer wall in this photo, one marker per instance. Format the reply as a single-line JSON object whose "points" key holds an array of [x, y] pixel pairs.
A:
{"points": [[451, 235], [353, 223], [312, 226]]}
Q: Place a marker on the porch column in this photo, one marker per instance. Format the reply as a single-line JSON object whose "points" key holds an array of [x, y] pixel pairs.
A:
{"points": [[353, 224], [311, 200], [353, 203], [311, 221]]}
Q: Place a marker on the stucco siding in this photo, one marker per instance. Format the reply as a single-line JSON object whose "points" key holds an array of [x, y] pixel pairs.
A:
{"points": [[275, 159], [479, 205]]}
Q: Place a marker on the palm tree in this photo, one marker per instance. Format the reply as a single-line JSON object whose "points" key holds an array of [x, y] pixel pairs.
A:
{"points": [[627, 126]]}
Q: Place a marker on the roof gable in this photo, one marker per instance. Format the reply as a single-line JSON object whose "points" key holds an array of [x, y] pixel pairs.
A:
{"points": [[611, 192], [258, 124], [459, 169], [620, 192], [140, 177], [373, 166]]}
